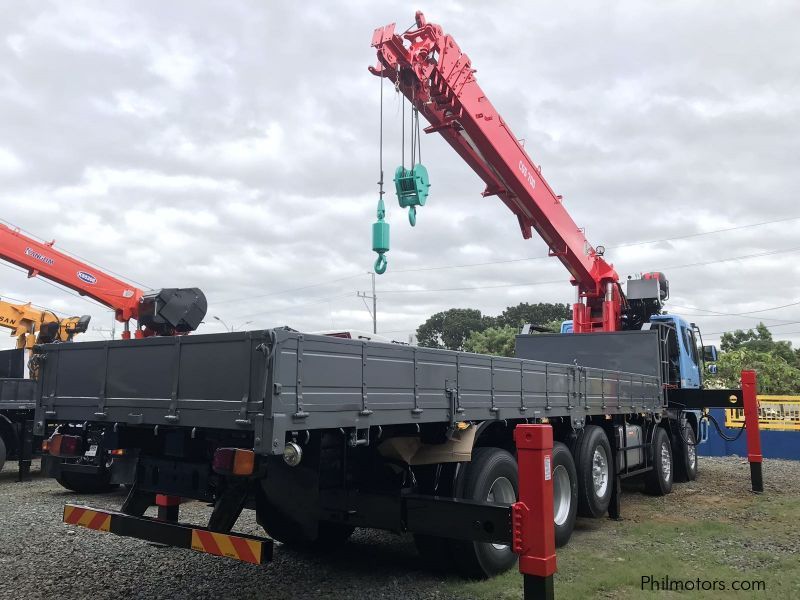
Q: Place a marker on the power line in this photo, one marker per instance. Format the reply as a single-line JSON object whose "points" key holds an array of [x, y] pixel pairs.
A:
{"points": [[669, 268], [701, 233], [512, 260], [466, 289], [747, 315], [296, 306], [623, 245], [732, 258], [286, 291], [767, 326]]}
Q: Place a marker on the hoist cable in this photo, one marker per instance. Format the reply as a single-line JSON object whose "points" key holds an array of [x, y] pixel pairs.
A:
{"points": [[419, 139], [403, 133], [411, 124], [380, 146]]}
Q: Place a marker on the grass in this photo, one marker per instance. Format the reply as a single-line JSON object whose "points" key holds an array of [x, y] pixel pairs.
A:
{"points": [[725, 537]]}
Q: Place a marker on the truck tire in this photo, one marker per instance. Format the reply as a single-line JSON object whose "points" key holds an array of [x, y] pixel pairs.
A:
{"points": [[565, 493], [87, 483], [491, 475], [658, 481], [2, 453], [595, 468], [685, 455]]}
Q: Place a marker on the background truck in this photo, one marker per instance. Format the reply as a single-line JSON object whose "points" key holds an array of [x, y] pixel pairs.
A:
{"points": [[172, 311], [17, 404]]}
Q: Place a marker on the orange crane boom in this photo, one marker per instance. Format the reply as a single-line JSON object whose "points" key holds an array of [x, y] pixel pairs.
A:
{"points": [[168, 311]]}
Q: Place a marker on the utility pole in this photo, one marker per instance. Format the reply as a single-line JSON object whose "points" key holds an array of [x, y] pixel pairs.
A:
{"points": [[374, 312]]}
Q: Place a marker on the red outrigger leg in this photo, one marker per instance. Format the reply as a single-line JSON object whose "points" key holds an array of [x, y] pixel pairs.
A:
{"points": [[753, 432], [532, 516]]}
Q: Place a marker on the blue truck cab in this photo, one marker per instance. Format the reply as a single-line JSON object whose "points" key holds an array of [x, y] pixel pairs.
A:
{"points": [[685, 358], [685, 355]]}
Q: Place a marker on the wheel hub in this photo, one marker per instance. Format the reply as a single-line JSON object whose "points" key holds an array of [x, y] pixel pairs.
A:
{"points": [[600, 471], [692, 452], [501, 492], [666, 461], [562, 495]]}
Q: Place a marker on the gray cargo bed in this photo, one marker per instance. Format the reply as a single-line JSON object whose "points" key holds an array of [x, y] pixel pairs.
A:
{"points": [[17, 394], [273, 381]]}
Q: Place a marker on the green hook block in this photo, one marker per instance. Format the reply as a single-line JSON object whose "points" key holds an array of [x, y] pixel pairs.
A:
{"points": [[412, 187], [380, 239]]}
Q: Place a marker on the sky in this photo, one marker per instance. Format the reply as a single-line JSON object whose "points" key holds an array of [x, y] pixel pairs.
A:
{"points": [[235, 147]]}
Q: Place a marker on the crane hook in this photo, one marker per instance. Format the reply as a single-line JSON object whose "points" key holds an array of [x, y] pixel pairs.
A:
{"points": [[380, 238]]}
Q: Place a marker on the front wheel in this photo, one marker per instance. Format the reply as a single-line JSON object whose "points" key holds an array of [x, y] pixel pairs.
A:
{"points": [[685, 455], [491, 476]]}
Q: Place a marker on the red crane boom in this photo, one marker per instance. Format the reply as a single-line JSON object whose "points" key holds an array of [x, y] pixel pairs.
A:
{"points": [[438, 79], [162, 312]]}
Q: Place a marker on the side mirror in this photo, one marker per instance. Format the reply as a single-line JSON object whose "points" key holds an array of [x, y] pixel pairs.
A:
{"points": [[710, 354], [712, 369]]}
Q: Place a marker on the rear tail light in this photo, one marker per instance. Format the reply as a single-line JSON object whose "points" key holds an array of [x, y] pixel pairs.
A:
{"points": [[117, 452], [65, 445], [46, 446], [233, 461]]}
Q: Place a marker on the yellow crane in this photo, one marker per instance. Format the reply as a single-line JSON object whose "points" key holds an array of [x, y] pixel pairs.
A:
{"points": [[39, 326]]}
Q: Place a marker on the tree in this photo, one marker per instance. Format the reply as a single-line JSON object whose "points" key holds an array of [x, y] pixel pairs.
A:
{"points": [[498, 341], [775, 375], [451, 328], [540, 313], [759, 340]]}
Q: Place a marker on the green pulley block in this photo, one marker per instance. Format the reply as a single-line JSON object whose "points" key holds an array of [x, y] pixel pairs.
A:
{"points": [[380, 239], [412, 189]]}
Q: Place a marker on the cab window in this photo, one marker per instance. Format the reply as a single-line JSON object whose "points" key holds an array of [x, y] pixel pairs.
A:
{"points": [[691, 346]]}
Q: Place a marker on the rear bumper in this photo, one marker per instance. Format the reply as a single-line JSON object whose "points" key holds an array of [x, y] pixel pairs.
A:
{"points": [[245, 548]]}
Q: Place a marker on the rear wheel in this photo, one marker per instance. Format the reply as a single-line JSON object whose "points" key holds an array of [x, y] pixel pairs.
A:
{"points": [[565, 493], [685, 451], [658, 481], [87, 483], [595, 471], [491, 476]]}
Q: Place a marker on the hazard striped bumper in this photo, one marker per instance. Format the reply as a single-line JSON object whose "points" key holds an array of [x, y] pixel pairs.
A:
{"points": [[246, 548]]}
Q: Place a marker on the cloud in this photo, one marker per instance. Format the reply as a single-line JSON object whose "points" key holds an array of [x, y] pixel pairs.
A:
{"points": [[235, 147], [9, 163]]}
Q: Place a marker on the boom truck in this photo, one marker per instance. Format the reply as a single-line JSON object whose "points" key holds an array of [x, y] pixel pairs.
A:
{"points": [[172, 311], [30, 326], [320, 434]]}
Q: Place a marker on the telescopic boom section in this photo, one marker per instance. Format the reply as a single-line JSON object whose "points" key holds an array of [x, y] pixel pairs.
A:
{"points": [[160, 312], [438, 79]]}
